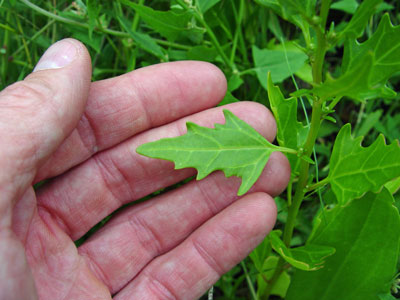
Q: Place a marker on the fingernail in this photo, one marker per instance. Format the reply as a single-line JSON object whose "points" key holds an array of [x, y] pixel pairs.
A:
{"points": [[58, 55]]}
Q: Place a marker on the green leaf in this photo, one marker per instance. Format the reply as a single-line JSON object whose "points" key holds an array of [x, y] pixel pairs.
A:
{"points": [[393, 186], [260, 254], [355, 170], [302, 7], [365, 234], [93, 11], [203, 53], [229, 98], [285, 112], [310, 257], [282, 283], [387, 296], [367, 66], [143, 41], [348, 6], [167, 23], [235, 148], [205, 5], [286, 13], [281, 64], [234, 82], [360, 19], [383, 46], [370, 120]]}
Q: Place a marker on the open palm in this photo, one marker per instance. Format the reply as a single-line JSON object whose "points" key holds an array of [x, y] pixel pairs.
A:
{"points": [[82, 137]]}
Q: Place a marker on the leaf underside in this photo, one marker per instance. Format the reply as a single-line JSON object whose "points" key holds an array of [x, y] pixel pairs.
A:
{"points": [[235, 148]]}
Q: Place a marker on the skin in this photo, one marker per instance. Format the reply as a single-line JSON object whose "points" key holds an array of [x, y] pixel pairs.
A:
{"points": [[82, 137]]}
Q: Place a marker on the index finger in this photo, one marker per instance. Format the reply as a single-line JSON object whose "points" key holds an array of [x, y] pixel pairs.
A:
{"points": [[121, 107]]}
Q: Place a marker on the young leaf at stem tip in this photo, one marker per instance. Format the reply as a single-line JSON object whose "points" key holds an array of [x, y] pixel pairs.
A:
{"points": [[235, 148]]}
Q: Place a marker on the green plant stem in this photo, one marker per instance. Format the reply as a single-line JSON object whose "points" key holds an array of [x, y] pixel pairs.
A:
{"points": [[34, 37], [249, 283], [319, 56], [334, 102], [317, 184], [238, 29], [136, 18], [300, 189], [324, 12], [316, 117], [98, 29], [4, 57], [27, 52], [303, 169]]}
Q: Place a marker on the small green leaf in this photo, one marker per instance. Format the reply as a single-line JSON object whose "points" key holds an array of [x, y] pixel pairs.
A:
{"points": [[282, 283], [355, 170], [235, 148], [393, 186], [370, 120], [308, 258], [281, 64], [234, 82], [285, 112], [203, 53], [93, 11], [167, 23], [143, 41], [361, 18], [365, 234], [387, 296], [260, 254], [302, 7], [286, 13], [205, 5], [229, 98], [348, 6], [367, 66]]}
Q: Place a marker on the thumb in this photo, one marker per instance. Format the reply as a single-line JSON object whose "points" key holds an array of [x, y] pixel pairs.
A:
{"points": [[38, 113]]}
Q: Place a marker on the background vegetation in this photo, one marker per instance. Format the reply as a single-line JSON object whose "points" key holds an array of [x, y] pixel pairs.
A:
{"points": [[246, 39]]}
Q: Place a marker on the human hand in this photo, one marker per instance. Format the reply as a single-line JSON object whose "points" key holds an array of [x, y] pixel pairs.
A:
{"points": [[56, 124]]}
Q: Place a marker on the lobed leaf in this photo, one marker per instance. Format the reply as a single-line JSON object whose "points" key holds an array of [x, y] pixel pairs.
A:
{"points": [[361, 18], [355, 170], [367, 66], [365, 234], [310, 257], [235, 148]]}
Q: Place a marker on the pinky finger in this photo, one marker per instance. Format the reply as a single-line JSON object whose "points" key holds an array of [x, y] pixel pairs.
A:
{"points": [[187, 271]]}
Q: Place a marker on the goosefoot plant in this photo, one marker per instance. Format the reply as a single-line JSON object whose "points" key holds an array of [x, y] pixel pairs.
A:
{"points": [[353, 249]]}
